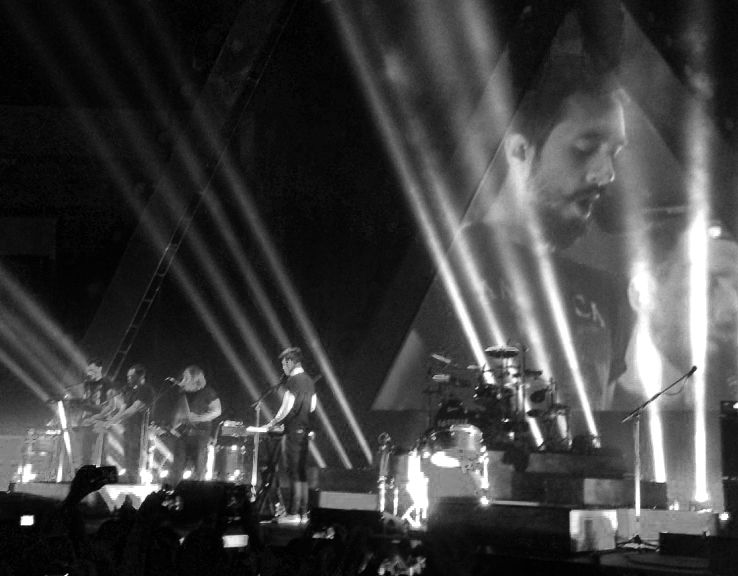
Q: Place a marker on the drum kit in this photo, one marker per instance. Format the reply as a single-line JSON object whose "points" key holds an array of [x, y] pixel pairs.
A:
{"points": [[514, 407]]}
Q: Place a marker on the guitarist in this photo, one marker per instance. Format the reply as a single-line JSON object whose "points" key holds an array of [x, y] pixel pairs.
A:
{"points": [[197, 406], [138, 399], [101, 401]]}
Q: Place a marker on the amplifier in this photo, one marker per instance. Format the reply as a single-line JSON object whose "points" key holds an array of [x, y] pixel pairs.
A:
{"points": [[336, 500]]}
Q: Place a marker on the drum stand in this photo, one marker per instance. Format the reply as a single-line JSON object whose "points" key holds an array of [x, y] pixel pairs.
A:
{"points": [[417, 487], [385, 480]]}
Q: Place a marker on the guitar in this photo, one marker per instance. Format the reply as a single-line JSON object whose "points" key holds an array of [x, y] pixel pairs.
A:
{"points": [[101, 422], [160, 429]]}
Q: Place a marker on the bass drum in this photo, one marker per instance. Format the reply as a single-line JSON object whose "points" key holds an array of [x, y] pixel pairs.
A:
{"points": [[455, 446]]}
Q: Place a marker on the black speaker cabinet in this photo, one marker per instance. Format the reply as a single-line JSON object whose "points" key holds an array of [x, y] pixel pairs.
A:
{"points": [[729, 439], [730, 496], [199, 499]]}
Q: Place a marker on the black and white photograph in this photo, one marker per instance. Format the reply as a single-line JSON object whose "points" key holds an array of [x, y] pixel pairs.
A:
{"points": [[351, 287]]}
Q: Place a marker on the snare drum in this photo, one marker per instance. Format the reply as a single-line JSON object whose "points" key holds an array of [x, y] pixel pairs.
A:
{"points": [[455, 445]]}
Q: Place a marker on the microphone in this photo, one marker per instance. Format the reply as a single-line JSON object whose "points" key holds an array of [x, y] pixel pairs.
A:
{"points": [[441, 359], [171, 380], [692, 371]]}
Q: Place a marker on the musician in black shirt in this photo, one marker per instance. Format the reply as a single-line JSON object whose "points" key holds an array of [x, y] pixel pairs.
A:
{"points": [[138, 398], [197, 407], [101, 402], [295, 413]]}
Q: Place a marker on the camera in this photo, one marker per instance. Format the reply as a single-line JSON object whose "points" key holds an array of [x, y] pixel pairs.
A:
{"points": [[107, 474], [235, 540], [171, 500], [27, 520]]}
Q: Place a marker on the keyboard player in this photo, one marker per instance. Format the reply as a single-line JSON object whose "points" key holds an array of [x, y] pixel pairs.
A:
{"points": [[296, 415]]}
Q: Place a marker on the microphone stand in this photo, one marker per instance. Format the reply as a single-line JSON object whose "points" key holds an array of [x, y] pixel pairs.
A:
{"points": [[255, 459], [635, 415]]}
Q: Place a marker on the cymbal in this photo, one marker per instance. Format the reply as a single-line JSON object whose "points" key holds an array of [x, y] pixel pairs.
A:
{"points": [[451, 380], [502, 352]]}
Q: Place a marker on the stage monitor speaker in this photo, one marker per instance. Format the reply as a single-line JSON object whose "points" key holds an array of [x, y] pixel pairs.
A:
{"points": [[524, 527], [729, 439], [356, 480], [723, 555], [199, 499], [675, 544], [323, 518]]}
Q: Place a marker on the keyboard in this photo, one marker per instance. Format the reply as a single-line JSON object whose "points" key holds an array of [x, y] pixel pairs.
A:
{"points": [[233, 429], [279, 430]]}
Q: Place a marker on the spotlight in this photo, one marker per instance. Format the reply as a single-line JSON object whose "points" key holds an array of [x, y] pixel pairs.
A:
{"points": [[146, 476], [716, 230]]}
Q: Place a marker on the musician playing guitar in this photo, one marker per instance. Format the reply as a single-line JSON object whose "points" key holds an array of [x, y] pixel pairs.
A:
{"points": [[137, 399], [101, 402], [197, 406]]}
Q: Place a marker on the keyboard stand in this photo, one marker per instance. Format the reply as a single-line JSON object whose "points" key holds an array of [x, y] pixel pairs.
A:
{"points": [[268, 501]]}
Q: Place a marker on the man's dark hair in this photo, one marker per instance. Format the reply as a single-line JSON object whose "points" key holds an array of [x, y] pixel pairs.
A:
{"points": [[294, 354], [544, 103], [139, 370]]}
